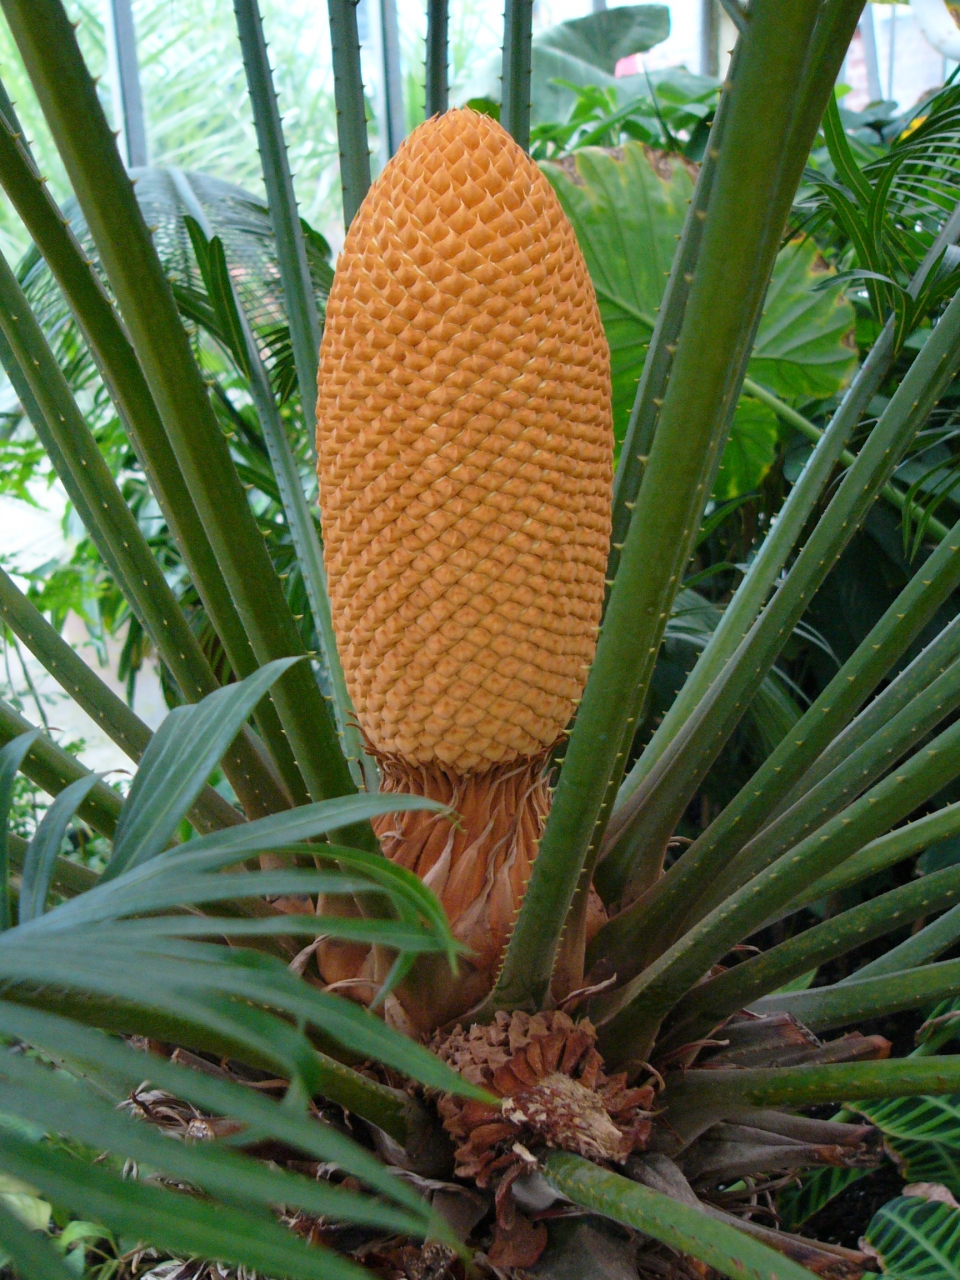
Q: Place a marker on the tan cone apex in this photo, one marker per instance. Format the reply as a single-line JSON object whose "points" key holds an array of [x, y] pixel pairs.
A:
{"points": [[465, 449]]}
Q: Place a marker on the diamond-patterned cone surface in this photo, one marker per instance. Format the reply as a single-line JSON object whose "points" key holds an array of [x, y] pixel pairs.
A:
{"points": [[465, 453]]}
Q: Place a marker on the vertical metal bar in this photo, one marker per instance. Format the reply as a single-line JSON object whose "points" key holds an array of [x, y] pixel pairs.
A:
{"points": [[394, 120], [709, 38], [869, 37], [598, 6], [125, 79], [436, 87], [517, 58], [891, 48]]}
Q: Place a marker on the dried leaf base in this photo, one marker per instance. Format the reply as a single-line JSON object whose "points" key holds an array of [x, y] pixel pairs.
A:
{"points": [[477, 864]]}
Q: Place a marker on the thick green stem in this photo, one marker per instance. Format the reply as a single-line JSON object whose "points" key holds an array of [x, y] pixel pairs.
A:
{"points": [[824, 1008], [885, 852], [653, 809], [299, 300], [642, 423], [53, 769], [69, 878], [719, 1091], [351, 106], [851, 776], [683, 1227], [923, 946], [711, 1002], [692, 884], [517, 63], [633, 1013], [724, 304], [890, 493], [782, 538], [928, 665]]}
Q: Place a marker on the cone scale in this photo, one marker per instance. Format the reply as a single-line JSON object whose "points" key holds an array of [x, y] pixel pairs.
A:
{"points": [[465, 451]]}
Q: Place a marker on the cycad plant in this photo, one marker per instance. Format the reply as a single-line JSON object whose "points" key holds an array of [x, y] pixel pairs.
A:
{"points": [[491, 600]]}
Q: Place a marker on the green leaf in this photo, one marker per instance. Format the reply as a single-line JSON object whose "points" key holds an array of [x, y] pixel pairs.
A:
{"points": [[11, 757], [23, 1202], [41, 856], [803, 348], [72, 1108], [181, 756], [614, 205], [110, 712], [68, 96], [210, 987], [939, 854], [678, 1225], [750, 451], [917, 1239], [582, 52], [796, 1204], [261, 1114], [300, 303], [170, 1220], [933, 1119], [126, 893], [602, 39], [920, 1161], [30, 1253]]}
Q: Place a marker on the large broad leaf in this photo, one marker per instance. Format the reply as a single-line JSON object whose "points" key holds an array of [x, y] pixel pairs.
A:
{"points": [[927, 1162], [750, 451], [627, 217], [627, 213], [917, 1239], [799, 1201], [181, 756], [923, 1136], [804, 347], [693, 621], [602, 39], [934, 1119], [584, 51]]}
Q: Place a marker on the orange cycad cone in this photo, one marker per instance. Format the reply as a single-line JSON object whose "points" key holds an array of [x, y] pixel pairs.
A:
{"points": [[465, 460]]}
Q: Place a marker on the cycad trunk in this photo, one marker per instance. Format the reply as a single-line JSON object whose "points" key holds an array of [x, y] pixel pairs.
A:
{"points": [[465, 451]]}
